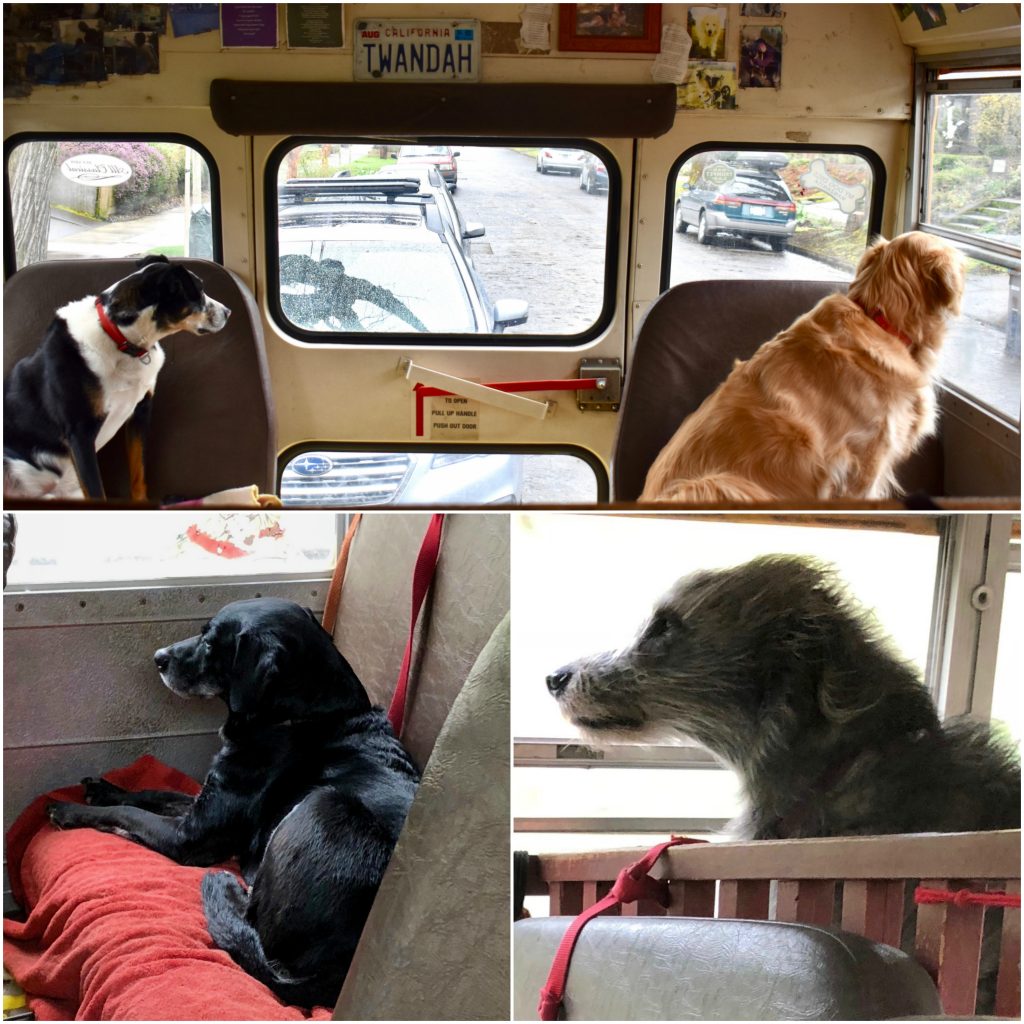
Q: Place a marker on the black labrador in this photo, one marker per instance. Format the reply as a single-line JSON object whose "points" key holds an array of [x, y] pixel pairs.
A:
{"points": [[309, 790]]}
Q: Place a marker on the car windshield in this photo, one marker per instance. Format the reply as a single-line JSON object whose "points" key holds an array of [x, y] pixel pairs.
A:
{"points": [[374, 285], [423, 151]]}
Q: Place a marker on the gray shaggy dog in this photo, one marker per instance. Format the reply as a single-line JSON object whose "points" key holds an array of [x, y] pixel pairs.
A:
{"points": [[777, 671]]}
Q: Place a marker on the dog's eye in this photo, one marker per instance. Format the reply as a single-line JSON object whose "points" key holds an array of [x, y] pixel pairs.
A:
{"points": [[657, 628]]}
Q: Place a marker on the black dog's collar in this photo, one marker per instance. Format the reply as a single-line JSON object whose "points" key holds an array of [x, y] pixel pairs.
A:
{"points": [[114, 333]]}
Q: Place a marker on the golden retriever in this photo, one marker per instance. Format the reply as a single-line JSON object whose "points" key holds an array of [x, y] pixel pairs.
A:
{"points": [[707, 34], [830, 406]]}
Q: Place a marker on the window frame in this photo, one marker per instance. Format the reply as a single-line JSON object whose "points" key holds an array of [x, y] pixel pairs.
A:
{"points": [[873, 160], [179, 138], [440, 340], [926, 85], [469, 448]]}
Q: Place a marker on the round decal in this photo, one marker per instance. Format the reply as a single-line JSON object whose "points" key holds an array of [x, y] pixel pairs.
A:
{"points": [[718, 174], [95, 169]]}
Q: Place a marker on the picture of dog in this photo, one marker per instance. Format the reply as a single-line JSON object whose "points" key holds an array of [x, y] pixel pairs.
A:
{"points": [[774, 668], [832, 405], [310, 791], [706, 26], [95, 372]]}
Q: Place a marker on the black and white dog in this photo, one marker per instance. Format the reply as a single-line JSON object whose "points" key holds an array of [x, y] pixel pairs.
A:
{"points": [[95, 372], [309, 790]]}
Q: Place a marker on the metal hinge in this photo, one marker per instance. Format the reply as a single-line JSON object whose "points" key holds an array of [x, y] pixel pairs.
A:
{"points": [[606, 397]]}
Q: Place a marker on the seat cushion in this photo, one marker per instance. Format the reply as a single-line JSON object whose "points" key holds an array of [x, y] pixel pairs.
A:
{"points": [[117, 932], [678, 968]]}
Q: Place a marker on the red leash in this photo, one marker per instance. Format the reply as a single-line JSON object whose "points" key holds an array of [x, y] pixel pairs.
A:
{"points": [[634, 883], [422, 577], [966, 898]]}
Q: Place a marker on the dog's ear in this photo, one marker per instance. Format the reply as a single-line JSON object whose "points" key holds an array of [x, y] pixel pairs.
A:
{"points": [[942, 273], [148, 260], [254, 672]]}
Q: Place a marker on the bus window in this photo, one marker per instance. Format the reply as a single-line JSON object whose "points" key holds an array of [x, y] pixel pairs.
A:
{"points": [[970, 193], [802, 215], [90, 197], [454, 476], [446, 239]]}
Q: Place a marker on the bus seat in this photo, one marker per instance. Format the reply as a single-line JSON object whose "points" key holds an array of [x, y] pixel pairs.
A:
{"points": [[469, 596], [677, 968], [685, 348], [427, 951], [213, 418]]}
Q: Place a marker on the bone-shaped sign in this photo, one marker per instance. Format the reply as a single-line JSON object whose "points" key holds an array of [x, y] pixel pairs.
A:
{"points": [[846, 195]]}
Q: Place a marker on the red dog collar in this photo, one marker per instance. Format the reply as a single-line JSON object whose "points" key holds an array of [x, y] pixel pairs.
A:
{"points": [[879, 317], [114, 333]]}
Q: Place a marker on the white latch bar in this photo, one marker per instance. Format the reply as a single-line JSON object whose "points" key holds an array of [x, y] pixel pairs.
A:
{"points": [[469, 389]]}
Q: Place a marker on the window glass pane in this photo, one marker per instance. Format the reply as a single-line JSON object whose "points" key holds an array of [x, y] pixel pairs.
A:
{"points": [[777, 214], [89, 199], [338, 477], [441, 239], [639, 558], [982, 350], [69, 547], [1007, 710], [973, 178]]}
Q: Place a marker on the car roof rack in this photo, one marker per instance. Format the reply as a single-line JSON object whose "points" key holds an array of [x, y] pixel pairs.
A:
{"points": [[308, 190]]}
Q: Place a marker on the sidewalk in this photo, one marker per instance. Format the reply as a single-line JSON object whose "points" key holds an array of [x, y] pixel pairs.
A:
{"points": [[113, 240]]}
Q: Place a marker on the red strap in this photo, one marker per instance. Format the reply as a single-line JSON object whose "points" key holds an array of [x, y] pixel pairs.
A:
{"points": [[422, 577], [966, 898], [634, 883]]}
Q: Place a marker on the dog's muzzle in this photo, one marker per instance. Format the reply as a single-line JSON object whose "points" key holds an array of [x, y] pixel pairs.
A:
{"points": [[558, 681], [216, 316]]}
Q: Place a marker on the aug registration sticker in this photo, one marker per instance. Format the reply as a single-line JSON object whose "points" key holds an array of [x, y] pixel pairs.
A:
{"points": [[417, 50]]}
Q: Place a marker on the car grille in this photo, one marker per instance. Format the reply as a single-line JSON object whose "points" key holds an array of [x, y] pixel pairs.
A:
{"points": [[370, 479]]}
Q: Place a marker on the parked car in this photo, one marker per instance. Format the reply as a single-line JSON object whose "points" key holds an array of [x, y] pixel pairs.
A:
{"points": [[751, 204], [593, 174], [402, 478], [441, 157], [568, 161], [378, 253]]}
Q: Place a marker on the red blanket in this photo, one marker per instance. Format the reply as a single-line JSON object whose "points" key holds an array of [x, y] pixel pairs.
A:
{"points": [[116, 931]]}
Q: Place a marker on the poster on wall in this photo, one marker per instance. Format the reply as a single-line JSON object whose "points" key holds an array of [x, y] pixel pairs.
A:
{"points": [[194, 19], [760, 56], [706, 26], [760, 10], [248, 25], [313, 26], [708, 86]]}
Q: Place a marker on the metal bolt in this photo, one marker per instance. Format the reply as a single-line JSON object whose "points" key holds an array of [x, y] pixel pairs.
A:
{"points": [[981, 598]]}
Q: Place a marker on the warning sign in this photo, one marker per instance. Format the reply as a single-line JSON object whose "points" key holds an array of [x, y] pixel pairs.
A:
{"points": [[454, 419]]}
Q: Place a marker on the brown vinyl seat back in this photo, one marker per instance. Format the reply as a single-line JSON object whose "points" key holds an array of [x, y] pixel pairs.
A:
{"points": [[468, 598], [680, 968], [686, 346], [213, 417]]}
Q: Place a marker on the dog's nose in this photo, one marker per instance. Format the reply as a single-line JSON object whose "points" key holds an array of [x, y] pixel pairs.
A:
{"points": [[558, 681], [162, 659]]}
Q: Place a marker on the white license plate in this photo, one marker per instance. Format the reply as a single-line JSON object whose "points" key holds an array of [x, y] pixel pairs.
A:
{"points": [[758, 211]]}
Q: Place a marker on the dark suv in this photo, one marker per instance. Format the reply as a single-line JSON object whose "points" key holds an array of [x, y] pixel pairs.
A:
{"points": [[757, 205], [386, 254]]}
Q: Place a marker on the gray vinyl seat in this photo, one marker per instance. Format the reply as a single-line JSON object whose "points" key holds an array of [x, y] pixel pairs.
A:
{"points": [[685, 348], [213, 421], [435, 946], [678, 968]]}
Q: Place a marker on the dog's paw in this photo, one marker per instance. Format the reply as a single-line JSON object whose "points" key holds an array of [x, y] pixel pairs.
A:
{"points": [[65, 815], [100, 793], [222, 888]]}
